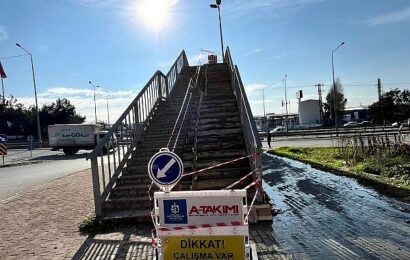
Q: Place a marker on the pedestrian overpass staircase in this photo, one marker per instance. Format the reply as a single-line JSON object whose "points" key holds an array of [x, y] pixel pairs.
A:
{"points": [[199, 112]]}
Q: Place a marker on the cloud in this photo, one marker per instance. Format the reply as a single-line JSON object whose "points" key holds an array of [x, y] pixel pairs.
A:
{"points": [[3, 34], [252, 52], [83, 100], [280, 56], [252, 88], [392, 17]]}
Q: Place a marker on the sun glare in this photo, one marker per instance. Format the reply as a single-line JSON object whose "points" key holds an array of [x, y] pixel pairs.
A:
{"points": [[154, 14]]}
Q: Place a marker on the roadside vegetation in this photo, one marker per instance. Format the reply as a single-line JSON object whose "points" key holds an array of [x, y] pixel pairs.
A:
{"points": [[375, 159]]}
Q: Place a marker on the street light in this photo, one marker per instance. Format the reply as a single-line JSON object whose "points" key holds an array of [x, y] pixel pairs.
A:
{"points": [[335, 106], [218, 3], [286, 105], [108, 110], [95, 104], [35, 95]]}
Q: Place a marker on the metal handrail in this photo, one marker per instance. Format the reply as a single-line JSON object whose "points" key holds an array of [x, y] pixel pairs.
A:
{"points": [[252, 139], [127, 131], [202, 91]]}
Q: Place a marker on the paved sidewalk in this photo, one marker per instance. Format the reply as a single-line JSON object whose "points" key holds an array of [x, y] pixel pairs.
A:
{"points": [[43, 222]]}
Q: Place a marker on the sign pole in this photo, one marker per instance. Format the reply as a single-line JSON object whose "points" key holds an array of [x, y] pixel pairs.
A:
{"points": [[2, 87]]}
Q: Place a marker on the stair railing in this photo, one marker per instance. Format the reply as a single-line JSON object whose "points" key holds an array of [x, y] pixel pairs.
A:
{"points": [[252, 139], [106, 165], [203, 85]]}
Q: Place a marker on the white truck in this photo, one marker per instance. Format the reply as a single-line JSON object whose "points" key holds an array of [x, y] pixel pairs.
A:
{"points": [[73, 137]]}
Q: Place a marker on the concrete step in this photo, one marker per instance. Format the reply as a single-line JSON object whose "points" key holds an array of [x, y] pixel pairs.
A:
{"points": [[204, 163], [217, 184], [225, 114], [216, 142], [232, 172], [207, 146], [133, 179], [150, 152], [221, 132], [222, 105], [223, 120], [138, 202], [216, 154], [138, 215], [209, 101], [131, 191], [206, 127]]}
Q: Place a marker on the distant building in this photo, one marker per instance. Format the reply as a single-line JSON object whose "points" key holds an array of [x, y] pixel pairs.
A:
{"points": [[309, 112], [273, 120], [356, 114]]}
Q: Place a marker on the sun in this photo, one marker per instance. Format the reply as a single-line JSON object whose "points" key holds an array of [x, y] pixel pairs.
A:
{"points": [[155, 14]]}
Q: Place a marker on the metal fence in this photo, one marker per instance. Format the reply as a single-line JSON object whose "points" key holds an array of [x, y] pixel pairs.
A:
{"points": [[252, 140], [109, 156]]}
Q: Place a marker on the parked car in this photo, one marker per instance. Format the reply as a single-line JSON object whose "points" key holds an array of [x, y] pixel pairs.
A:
{"points": [[350, 124], [403, 123], [278, 129], [365, 123]]}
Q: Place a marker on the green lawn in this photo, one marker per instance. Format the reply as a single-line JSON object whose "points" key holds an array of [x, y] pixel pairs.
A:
{"points": [[390, 172]]}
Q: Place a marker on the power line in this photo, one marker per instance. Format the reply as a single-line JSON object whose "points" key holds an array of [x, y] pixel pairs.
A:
{"points": [[346, 85], [10, 57]]}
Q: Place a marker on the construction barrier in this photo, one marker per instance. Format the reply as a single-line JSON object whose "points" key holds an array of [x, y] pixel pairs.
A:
{"points": [[207, 224]]}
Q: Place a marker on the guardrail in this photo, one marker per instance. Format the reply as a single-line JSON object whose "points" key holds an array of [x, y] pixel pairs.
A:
{"points": [[106, 165], [252, 140], [342, 132]]}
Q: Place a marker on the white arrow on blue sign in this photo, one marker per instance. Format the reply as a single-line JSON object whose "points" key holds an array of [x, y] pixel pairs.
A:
{"points": [[3, 138], [165, 168]]}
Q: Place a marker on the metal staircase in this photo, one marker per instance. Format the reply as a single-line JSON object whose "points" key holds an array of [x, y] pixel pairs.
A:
{"points": [[217, 126]]}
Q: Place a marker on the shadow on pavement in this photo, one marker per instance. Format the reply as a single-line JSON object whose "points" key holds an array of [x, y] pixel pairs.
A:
{"points": [[57, 157], [122, 243]]}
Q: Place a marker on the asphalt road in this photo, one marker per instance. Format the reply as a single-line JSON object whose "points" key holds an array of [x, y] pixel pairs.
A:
{"points": [[324, 216], [43, 167]]}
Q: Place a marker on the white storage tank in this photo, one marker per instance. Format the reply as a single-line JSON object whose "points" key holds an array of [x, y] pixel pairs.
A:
{"points": [[309, 112]]}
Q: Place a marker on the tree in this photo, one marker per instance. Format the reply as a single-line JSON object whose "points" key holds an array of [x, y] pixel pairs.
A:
{"points": [[59, 112], [393, 106], [341, 101], [15, 119]]}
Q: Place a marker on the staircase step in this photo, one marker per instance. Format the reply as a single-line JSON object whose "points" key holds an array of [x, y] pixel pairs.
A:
{"points": [[224, 114], [232, 172], [133, 179], [204, 163], [220, 145], [141, 216], [139, 202], [130, 191], [205, 121], [222, 132], [219, 126], [218, 184], [216, 154], [216, 142]]}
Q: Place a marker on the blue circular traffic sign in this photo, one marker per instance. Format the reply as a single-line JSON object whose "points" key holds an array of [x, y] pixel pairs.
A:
{"points": [[3, 138], [165, 168]]}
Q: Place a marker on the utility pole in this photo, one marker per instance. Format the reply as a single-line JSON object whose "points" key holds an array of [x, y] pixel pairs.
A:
{"points": [[319, 91], [379, 88], [286, 105]]}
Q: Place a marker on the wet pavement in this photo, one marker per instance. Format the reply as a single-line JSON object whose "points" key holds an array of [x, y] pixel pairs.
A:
{"points": [[325, 216]]}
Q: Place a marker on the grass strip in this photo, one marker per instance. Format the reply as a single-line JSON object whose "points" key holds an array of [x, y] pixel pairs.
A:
{"points": [[326, 159]]}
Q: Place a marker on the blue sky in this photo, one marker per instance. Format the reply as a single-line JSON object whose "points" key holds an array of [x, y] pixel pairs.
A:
{"points": [[115, 44]]}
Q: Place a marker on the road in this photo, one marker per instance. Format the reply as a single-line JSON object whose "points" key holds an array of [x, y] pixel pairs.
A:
{"points": [[43, 167], [324, 216]]}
